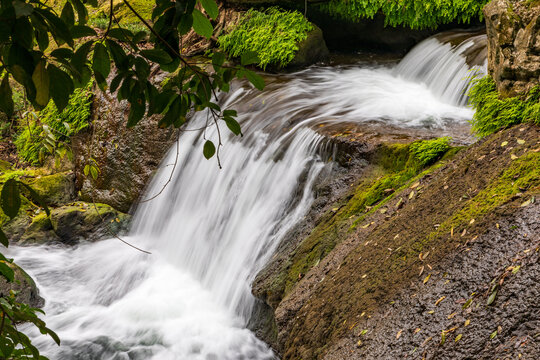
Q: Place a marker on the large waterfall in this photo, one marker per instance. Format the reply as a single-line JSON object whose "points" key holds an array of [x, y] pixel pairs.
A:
{"points": [[209, 231]]}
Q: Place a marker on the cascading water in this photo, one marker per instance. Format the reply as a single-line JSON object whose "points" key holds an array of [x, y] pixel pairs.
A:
{"points": [[211, 230]]}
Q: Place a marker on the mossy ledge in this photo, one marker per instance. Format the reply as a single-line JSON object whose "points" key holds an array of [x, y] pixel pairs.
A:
{"points": [[370, 246]]}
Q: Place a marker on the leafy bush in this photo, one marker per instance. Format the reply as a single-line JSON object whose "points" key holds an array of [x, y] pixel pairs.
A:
{"points": [[41, 132], [493, 114], [426, 152], [416, 14], [273, 34]]}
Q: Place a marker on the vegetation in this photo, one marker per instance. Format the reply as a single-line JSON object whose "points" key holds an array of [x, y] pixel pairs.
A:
{"points": [[47, 132], [416, 14], [272, 34], [494, 113], [428, 151]]}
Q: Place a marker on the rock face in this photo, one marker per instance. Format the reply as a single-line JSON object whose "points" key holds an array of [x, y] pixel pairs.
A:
{"points": [[126, 157], [24, 285], [379, 281], [310, 51], [513, 29]]}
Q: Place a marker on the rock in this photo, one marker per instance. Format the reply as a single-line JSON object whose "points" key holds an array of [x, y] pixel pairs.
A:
{"points": [[90, 222], [28, 292], [56, 189], [513, 29], [39, 231], [313, 49], [126, 157]]}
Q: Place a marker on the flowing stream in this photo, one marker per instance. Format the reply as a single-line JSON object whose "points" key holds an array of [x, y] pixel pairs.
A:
{"points": [[211, 230]]}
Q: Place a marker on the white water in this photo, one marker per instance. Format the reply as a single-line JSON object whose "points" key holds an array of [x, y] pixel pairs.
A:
{"points": [[211, 230]]}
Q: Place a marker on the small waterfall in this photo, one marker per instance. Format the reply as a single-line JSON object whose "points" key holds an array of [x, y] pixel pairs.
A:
{"points": [[211, 230], [447, 63]]}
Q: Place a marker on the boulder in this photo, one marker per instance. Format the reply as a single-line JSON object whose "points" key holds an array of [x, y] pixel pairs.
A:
{"points": [[513, 29], [90, 222], [23, 285], [56, 189], [313, 49]]}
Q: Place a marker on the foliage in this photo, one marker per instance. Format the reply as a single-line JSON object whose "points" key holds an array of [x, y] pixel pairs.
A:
{"points": [[46, 132], [428, 151], [416, 14], [273, 35], [49, 71], [493, 113], [13, 343]]}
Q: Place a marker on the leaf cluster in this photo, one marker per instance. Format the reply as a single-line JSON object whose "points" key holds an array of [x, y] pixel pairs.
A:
{"points": [[272, 34], [493, 113], [416, 14]]}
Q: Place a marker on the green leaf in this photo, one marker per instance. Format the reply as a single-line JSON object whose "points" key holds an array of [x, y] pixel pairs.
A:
{"points": [[11, 198], [185, 24], [101, 62], [6, 96], [22, 8], [255, 79], [36, 197], [249, 57], [492, 297], [209, 149], [202, 25], [117, 53], [233, 125], [7, 272], [157, 56], [40, 78], [136, 112], [68, 15], [61, 87], [3, 238], [218, 59], [210, 7], [82, 12], [79, 31]]}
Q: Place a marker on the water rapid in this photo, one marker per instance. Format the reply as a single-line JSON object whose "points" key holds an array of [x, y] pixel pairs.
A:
{"points": [[211, 230]]}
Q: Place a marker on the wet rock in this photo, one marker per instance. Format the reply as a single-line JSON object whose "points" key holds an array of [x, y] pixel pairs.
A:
{"points": [[513, 29], [90, 222], [24, 285], [39, 231]]}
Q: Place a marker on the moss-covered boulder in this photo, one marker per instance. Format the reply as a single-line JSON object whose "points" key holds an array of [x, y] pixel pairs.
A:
{"points": [[24, 286], [90, 222], [39, 231], [56, 189], [311, 50]]}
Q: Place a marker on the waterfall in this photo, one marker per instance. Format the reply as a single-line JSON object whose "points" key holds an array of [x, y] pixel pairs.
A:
{"points": [[446, 64], [211, 230]]}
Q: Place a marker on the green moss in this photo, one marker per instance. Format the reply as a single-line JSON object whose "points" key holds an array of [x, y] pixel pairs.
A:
{"points": [[273, 34], [523, 173], [124, 15], [416, 14], [493, 114], [428, 151]]}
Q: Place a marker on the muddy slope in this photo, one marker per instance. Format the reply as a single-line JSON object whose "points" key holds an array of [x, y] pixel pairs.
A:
{"points": [[424, 228]]}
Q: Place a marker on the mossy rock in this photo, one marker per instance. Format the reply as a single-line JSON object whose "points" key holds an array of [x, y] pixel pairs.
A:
{"points": [[23, 285], [90, 222], [39, 231], [56, 189], [311, 50], [124, 14]]}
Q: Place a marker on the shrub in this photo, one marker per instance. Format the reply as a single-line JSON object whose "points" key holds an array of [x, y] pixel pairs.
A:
{"points": [[41, 132], [426, 152], [273, 34], [416, 14], [493, 113]]}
